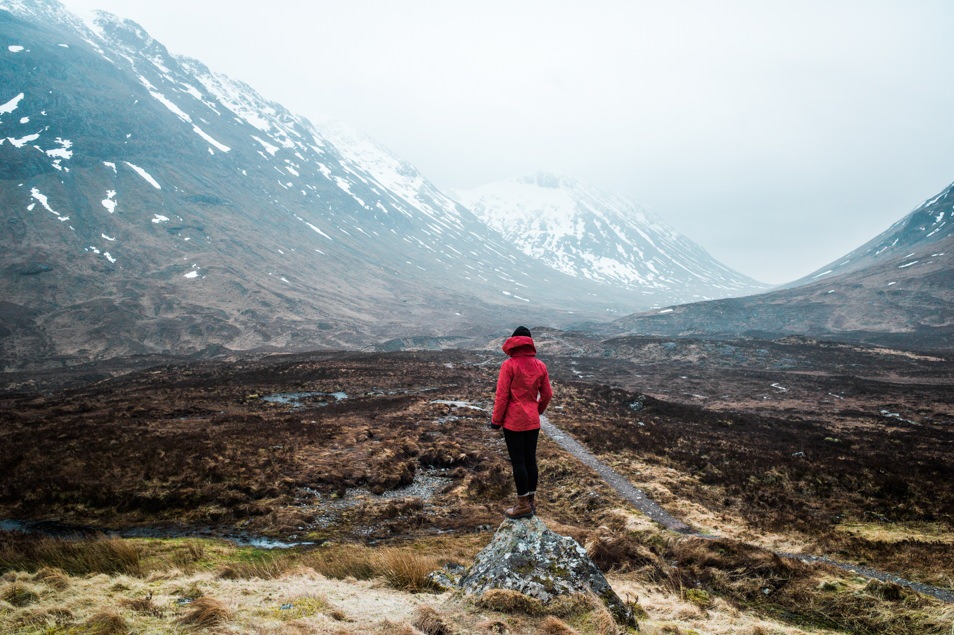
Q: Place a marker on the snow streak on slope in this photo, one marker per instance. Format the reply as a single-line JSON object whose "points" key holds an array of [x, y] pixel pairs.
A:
{"points": [[590, 234], [910, 241]]}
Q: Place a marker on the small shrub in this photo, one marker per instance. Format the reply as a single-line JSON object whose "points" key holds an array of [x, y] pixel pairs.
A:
{"points": [[206, 612], [430, 622]]}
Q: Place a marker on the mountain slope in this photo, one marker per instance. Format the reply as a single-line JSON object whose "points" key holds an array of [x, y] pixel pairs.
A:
{"points": [[912, 239], [590, 234], [153, 205], [896, 290]]}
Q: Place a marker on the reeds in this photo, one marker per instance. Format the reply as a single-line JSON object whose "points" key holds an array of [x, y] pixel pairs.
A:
{"points": [[402, 568], [102, 554]]}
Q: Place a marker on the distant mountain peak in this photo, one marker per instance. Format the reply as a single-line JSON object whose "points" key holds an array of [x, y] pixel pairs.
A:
{"points": [[911, 239], [587, 233], [547, 180]]}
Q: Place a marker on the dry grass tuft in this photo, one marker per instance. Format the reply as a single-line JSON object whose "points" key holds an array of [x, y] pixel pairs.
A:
{"points": [[403, 568], [206, 612], [53, 577], [105, 622], [260, 569], [145, 606], [406, 570], [603, 623], [75, 557], [342, 561], [508, 601], [494, 626], [555, 626], [387, 627], [19, 594], [886, 590], [429, 621], [620, 551], [48, 619], [572, 605]]}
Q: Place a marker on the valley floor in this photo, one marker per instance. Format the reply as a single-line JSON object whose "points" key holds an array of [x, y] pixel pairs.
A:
{"points": [[790, 446]]}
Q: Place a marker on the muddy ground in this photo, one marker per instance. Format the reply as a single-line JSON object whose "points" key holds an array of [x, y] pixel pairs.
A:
{"points": [[841, 450]]}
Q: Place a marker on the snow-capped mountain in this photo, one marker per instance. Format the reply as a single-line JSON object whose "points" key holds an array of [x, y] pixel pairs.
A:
{"points": [[895, 290], [586, 233], [153, 205]]}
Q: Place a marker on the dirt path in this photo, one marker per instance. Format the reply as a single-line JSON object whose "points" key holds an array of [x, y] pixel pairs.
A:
{"points": [[652, 509]]}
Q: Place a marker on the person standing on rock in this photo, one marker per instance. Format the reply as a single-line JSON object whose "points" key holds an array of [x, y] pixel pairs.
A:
{"points": [[523, 393]]}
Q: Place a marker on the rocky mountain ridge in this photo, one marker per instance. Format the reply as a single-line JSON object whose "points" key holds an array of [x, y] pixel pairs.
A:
{"points": [[586, 233]]}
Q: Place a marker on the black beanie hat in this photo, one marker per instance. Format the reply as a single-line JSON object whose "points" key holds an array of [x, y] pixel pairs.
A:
{"points": [[521, 331]]}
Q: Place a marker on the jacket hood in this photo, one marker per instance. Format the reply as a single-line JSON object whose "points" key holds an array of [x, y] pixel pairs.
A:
{"points": [[513, 346]]}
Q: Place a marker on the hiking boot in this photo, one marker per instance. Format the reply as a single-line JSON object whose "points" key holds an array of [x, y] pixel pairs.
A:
{"points": [[533, 501], [522, 509]]}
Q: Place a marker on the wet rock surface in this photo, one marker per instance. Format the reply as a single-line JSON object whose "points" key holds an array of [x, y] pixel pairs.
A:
{"points": [[527, 557]]}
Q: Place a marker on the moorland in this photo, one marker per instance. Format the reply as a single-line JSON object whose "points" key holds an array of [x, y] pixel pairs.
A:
{"points": [[152, 500]]}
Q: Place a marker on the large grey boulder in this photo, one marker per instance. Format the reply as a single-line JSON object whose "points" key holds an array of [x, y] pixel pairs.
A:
{"points": [[526, 556]]}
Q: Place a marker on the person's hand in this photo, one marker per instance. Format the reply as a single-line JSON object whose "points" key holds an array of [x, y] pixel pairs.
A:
{"points": [[494, 426]]}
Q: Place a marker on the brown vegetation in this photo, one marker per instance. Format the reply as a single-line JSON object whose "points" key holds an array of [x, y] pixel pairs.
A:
{"points": [[398, 478]]}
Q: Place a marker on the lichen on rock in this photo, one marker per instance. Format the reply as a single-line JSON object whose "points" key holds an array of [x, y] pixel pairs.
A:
{"points": [[526, 556]]}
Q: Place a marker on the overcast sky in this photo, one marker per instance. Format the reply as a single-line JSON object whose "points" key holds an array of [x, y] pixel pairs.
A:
{"points": [[779, 135]]}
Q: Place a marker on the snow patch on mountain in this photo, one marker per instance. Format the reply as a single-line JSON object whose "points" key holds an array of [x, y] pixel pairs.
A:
{"points": [[921, 229], [584, 232]]}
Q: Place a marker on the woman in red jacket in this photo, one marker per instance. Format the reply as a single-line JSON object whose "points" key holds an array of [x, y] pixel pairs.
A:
{"points": [[523, 392]]}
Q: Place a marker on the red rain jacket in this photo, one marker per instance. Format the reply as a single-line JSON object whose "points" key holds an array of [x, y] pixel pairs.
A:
{"points": [[523, 387]]}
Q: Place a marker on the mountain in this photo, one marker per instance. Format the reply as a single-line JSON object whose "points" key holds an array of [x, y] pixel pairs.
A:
{"points": [[586, 233], [895, 290], [152, 205], [916, 240]]}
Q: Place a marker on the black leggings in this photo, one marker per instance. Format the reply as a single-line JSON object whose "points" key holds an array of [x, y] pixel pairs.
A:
{"points": [[522, 447]]}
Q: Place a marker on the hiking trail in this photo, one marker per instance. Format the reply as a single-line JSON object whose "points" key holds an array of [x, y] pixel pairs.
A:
{"points": [[651, 508]]}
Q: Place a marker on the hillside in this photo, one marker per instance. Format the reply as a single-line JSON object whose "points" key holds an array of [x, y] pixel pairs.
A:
{"points": [[586, 233], [154, 206], [897, 290]]}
